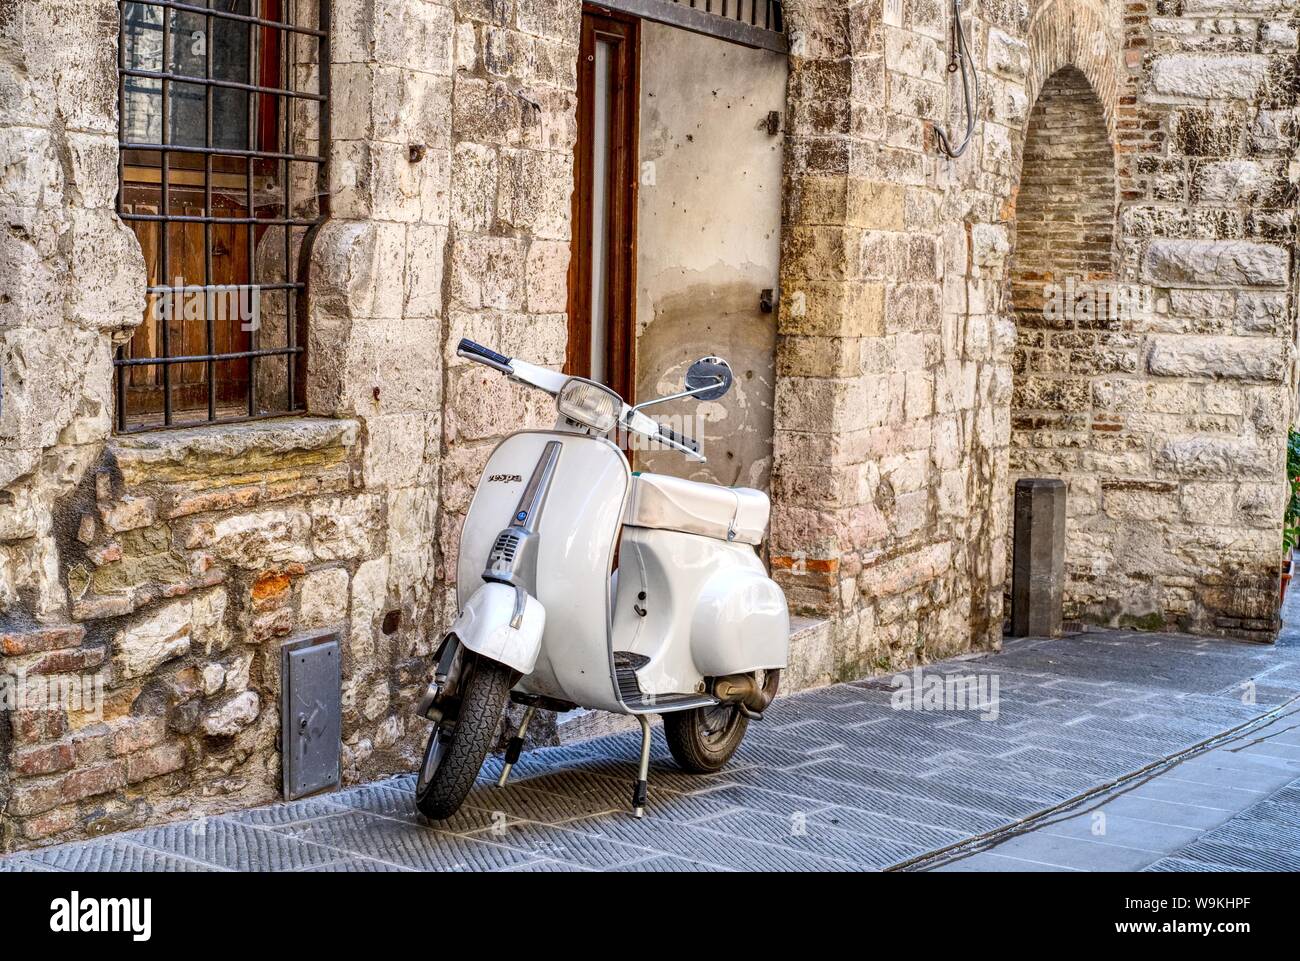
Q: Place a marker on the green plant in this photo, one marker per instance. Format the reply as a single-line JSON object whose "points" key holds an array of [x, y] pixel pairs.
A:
{"points": [[1291, 519]]}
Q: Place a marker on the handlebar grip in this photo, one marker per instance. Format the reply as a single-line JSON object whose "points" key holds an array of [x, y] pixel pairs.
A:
{"points": [[483, 355], [689, 443]]}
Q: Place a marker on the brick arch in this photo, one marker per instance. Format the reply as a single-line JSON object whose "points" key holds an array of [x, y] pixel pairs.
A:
{"points": [[1074, 33], [1071, 332]]}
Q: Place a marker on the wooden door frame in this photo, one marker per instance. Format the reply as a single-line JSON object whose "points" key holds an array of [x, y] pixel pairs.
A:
{"points": [[625, 93]]}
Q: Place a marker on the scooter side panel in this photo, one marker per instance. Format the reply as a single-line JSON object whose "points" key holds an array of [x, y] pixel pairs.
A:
{"points": [[712, 592], [578, 527]]}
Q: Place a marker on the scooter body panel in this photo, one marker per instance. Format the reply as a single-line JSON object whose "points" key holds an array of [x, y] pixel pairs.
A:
{"points": [[577, 531], [710, 610], [484, 627]]}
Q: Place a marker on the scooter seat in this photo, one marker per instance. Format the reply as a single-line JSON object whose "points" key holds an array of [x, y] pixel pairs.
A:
{"points": [[662, 502]]}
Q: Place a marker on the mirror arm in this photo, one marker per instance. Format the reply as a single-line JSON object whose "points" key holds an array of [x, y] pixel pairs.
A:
{"points": [[678, 396]]}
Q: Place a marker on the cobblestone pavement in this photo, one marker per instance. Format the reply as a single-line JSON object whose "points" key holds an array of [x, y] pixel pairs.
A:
{"points": [[834, 779]]}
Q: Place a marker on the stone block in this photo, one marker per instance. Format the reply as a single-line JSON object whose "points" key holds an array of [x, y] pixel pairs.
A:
{"points": [[1196, 457], [833, 309], [231, 717], [1214, 77], [257, 540], [170, 632], [155, 762], [323, 598], [1231, 358], [34, 760], [1209, 263], [36, 640]]}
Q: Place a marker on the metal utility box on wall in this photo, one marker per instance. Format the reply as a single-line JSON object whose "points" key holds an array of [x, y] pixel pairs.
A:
{"points": [[310, 714]]}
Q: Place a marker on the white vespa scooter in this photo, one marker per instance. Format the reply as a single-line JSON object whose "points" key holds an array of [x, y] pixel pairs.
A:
{"points": [[689, 626]]}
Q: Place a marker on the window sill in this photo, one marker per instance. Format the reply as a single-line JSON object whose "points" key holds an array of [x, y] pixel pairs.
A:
{"points": [[142, 456]]}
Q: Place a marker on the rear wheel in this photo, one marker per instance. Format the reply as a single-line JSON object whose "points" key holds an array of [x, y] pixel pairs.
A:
{"points": [[704, 739], [457, 748]]}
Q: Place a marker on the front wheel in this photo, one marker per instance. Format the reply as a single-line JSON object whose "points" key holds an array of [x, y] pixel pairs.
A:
{"points": [[457, 748]]}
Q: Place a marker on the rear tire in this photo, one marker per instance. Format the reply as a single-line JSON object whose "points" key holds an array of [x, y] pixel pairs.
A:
{"points": [[704, 739], [453, 758]]}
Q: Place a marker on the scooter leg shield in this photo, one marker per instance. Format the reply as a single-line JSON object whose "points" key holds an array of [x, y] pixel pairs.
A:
{"points": [[488, 626]]}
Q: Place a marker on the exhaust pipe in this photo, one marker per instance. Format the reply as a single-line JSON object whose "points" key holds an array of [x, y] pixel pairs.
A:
{"points": [[745, 691]]}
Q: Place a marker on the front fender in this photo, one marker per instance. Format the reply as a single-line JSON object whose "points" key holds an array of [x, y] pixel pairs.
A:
{"points": [[484, 627]]}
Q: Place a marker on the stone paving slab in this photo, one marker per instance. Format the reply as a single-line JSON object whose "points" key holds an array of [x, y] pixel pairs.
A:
{"points": [[835, 779]]}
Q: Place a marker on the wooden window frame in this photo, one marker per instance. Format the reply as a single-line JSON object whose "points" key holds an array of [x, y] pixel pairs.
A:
{"points": [[204, 179], [620, 362]]}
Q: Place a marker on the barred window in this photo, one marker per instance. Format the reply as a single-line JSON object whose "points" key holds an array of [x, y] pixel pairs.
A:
{"points": [[222, 177]]}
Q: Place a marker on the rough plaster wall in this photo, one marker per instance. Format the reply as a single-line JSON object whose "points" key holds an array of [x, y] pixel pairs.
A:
{"points": [[708, 241]]}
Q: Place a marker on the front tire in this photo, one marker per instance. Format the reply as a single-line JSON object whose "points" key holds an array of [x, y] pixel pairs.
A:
{"points": [[455, 753]]}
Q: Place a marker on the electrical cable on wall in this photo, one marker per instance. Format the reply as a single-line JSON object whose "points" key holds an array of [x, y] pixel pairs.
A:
{"points": [[970, 83]]}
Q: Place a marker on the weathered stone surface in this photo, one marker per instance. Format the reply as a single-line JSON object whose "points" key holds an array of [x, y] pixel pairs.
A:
{"points": [[1234, 358], [1195, 457], [257, 540], [344, 527], [233, 716], [324, 598], [1211, 263], [1209, 77], [173, 630]]}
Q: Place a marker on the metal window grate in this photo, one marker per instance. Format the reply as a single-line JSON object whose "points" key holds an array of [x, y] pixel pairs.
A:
{"points": [[223, 135], [751, 23]]}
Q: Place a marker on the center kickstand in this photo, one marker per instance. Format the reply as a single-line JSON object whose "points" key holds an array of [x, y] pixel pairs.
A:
{"points": [[516, 745], [642, 789]]}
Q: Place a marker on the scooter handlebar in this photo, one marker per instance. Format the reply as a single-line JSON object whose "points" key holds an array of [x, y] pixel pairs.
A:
{"points": [[540, 377], [483, 355], [552, 382], [690, 444]]}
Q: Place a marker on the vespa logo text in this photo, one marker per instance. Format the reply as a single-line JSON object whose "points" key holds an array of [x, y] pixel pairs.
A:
{"points": [[505, 479], [74, 914]]}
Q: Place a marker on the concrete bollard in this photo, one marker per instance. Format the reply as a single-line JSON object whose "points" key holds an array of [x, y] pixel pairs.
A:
{"points": [[1038, 561]]}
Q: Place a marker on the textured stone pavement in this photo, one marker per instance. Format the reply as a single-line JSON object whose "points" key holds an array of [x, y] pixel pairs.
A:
{"points": [[834, 779]]}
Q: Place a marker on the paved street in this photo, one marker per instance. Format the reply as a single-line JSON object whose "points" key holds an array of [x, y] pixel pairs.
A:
{"points": [[837, 779]]}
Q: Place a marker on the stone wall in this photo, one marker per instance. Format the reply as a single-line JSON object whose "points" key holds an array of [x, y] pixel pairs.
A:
{"points": [[1207, 142], [896, 388], [169, 567]]}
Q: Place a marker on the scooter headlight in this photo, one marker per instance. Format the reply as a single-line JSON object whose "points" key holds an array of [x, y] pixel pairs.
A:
{"points": [[589, 404]]}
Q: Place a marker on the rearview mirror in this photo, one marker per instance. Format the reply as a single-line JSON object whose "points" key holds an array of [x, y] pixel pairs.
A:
{"points": [[709, 371]]}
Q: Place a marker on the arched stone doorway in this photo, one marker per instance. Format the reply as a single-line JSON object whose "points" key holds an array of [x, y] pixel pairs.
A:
{"points": [[1073, 331]]}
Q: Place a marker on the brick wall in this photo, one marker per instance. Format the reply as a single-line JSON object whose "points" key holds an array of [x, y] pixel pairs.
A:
{"points": [[1073, 329]]}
